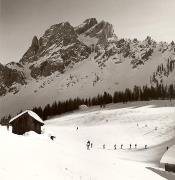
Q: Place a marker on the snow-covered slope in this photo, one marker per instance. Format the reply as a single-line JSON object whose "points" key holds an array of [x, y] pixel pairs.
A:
{"points": [[83, 61], [37, 157]]}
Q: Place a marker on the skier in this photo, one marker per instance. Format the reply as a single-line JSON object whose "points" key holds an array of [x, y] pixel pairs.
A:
{"points": [[130, 146], [135, 146], [145, 146], [121, 146], [91, 145], [77, 128], [103, 146], [167, 148], [52, 137], [88, 144], [115, 146]]}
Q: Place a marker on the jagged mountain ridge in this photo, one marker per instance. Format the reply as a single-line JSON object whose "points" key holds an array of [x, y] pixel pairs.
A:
{"points": [[82, 61]]}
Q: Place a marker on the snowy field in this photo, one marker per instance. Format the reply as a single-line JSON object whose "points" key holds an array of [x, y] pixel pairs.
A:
{"points": [[36, 157]]}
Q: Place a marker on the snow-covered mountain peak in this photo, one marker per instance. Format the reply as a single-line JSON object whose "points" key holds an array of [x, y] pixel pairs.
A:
{"points": [[84, 61]]}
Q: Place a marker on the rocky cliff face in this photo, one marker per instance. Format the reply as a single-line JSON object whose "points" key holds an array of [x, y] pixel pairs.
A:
{"points": [[31, 54], [86, 25], [103, 30], [9, 78], [90, 28], [55, 50]]}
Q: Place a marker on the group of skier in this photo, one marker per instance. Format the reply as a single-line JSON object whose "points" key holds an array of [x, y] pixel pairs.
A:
{"points": [[89, 145], [130, 146]]}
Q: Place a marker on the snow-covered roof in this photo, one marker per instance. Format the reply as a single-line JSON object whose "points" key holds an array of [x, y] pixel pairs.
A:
{"points": [[31, 113], [169, 156]]}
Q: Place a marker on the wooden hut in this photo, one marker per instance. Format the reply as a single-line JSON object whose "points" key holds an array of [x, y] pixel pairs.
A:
{"points": [[26, 121], [169, 159]]}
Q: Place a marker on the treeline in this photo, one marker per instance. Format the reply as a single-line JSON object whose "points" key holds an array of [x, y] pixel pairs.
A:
{"points": [[144, 93], [61, 107]]}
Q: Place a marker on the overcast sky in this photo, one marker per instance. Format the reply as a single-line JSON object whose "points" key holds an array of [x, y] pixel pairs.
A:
{"points": [[20, 20]]}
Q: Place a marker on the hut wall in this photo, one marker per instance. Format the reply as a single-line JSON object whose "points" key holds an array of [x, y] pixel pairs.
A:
{"points": [[170, 167], [19, 126], [33, 125], [24, 124]]}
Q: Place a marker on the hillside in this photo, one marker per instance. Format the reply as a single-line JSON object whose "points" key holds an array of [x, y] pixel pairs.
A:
{"points": [[82, 61], [151, 123]]}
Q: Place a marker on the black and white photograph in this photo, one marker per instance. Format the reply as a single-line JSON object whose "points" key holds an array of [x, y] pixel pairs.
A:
{"points": [[87, 89]]}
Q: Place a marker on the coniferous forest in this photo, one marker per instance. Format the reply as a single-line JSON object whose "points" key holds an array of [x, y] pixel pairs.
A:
{"points": [[144, 93]]}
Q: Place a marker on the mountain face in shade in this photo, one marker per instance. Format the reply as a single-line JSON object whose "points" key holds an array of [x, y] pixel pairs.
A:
{"points": [[66, 62], [86, 25], [8, 78], [54, 51], [31, 53]]}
